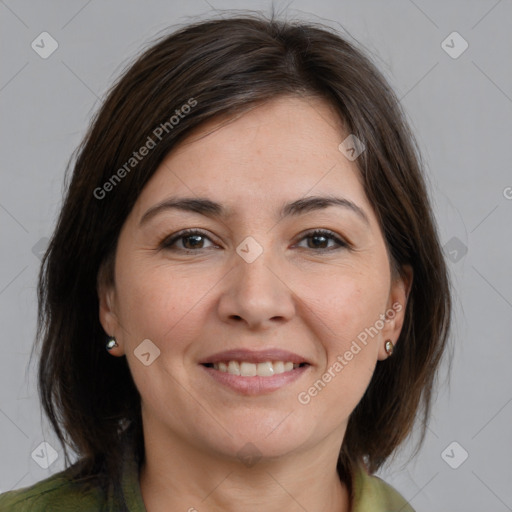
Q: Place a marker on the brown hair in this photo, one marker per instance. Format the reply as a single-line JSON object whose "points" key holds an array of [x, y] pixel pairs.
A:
{"points": [[224, 67]]}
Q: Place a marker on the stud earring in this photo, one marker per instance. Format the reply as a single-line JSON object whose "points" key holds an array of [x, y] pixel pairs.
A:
{"points": [[389, 347], [111, 343]]}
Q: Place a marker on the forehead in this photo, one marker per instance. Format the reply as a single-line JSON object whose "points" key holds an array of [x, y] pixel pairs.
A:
{"points": [[276, 152]]}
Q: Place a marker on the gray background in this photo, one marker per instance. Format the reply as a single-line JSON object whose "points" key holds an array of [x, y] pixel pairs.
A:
{"points": [[460, 109]]}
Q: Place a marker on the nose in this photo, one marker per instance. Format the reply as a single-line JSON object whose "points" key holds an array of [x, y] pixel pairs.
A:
{"points": [[256, 294]]}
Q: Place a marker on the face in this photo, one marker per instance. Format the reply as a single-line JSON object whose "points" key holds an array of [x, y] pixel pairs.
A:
{"points": [[264, 323]]}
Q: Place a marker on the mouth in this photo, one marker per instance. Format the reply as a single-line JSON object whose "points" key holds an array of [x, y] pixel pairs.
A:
{"points": [[253, 373], [248, 369]]}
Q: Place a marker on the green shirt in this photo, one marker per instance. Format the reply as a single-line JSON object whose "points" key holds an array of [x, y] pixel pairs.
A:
{"points": [[59, 493]]}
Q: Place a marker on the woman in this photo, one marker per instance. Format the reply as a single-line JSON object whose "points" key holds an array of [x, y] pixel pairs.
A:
{"points": [[248, 233]]}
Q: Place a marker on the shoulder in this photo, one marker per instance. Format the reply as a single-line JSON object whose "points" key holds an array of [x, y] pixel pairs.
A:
{"points": [[372, 494], [58, 493]]}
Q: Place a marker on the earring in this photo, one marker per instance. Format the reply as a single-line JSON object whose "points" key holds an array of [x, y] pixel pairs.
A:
{"points": [[389, 347], [111, 343]]}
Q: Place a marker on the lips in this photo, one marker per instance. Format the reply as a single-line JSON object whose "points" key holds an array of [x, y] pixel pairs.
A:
{"points": [[254, 356], [255, 372]]}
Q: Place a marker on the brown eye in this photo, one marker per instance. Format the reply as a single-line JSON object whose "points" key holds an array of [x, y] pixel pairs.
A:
{"points": [[190, 241], [320, 240]]}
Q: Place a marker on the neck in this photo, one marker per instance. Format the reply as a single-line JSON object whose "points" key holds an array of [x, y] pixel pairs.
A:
{"points": [[181, 477]]}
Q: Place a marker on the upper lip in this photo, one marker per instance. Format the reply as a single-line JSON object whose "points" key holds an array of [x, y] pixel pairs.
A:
{"points": [[254, 356]]}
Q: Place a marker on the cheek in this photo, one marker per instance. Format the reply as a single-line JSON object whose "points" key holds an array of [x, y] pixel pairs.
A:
{"points": [[344, 317], [162, 304], [349, 307]]}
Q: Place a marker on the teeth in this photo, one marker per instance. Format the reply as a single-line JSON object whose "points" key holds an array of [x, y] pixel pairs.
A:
{"points": [[278, 366], [246, 369], [233, 368], [265, 369]]}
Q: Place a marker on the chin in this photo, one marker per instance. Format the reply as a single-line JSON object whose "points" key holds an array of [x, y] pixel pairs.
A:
{"points": [[258, 439]]}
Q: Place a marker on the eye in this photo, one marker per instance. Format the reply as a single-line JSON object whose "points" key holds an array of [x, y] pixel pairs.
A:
{"points": [[320, 239], [191, 240]]}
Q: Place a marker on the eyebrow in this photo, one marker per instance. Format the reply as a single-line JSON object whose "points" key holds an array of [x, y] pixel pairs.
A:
{"points": [[209, 208]]}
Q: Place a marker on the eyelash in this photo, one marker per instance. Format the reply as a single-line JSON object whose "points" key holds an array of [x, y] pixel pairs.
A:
{"points": [[170, 241]]}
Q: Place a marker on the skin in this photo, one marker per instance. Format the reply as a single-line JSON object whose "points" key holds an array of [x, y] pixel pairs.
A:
{"points": [[295, 296]]}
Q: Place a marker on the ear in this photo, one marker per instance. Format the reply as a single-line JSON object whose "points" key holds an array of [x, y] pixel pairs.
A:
{"points": [[107, 312], [395, 312]]}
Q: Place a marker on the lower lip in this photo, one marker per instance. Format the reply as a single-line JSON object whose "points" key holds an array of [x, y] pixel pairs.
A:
{"points": [[256, 385]]}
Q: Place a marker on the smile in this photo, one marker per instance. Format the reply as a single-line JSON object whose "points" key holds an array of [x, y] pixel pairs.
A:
{"points": [[255, 372], [248, 369]]}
